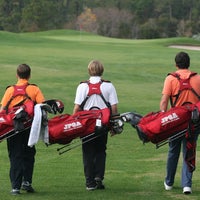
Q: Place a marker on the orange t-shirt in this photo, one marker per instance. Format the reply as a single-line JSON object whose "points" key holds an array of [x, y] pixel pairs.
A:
{"points": [[32, 91], [171, 87]]}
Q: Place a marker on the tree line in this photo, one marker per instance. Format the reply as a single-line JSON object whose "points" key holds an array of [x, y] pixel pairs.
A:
{"points": [[112, 18]]}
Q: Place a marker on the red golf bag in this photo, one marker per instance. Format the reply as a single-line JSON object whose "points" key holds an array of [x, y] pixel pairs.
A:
{"points": [[64, 128], [19, 118], [159, 126], [16, 119], [163, 127]]}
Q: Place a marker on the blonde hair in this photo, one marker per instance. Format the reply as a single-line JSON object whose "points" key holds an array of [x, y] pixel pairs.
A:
{"points": [[95, 68]]}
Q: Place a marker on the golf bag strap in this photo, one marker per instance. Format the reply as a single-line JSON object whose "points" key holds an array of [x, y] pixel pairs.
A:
{"points": [[184, 85], [19, 90], [190, 156], [95, 89]]}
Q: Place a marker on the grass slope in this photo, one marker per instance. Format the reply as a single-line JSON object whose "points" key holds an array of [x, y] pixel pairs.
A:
{"points": [[137, 68]]}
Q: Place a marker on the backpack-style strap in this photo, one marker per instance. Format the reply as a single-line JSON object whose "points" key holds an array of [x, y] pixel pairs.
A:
{"points": [[184, 85], [19, 90], [94, 89]]}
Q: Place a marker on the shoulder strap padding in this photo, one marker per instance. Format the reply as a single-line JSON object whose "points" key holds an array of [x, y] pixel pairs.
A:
{"points": [[94, 89], [19, 90], [184, 85]]}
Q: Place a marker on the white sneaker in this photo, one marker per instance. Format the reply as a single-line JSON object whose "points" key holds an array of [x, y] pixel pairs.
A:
{"points": [[167, 187], [187, 190]]}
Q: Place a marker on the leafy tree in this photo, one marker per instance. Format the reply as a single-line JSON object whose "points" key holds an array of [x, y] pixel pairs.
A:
{"points": [[10, 14], [143, 10], [40, 15], [114, 18], [113, 22], [149, 30], [87, 21]]}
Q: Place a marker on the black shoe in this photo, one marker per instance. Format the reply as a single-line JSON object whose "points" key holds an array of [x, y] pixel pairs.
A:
{"points": [[27, 186], [91, 186], [100, 184], [15, 191]]}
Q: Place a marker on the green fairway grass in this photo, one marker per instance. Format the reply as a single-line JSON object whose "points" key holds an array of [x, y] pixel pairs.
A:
{"points": [[137, 68]]}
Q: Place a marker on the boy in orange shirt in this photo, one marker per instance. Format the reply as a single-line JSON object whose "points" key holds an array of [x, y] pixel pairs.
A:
{"points": [[171, 88], [21, 156]]}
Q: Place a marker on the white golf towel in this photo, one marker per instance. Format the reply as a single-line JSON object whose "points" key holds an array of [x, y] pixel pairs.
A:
{"points": [[38, 130]]}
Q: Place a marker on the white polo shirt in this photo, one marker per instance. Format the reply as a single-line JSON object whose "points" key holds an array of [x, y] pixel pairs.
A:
{"points": [[107, 89]]}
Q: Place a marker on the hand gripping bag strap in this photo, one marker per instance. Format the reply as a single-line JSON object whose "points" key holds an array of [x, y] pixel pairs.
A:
{"points": [[184, 85], [94, 89]]}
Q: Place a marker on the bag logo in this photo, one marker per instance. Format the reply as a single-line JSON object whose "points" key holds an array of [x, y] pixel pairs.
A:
{"points": [[170, 118], [2, 120], [72, 126]]}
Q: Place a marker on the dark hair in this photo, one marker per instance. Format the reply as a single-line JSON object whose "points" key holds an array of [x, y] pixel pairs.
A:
{"points": [[23, 71], [182, 60]]}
